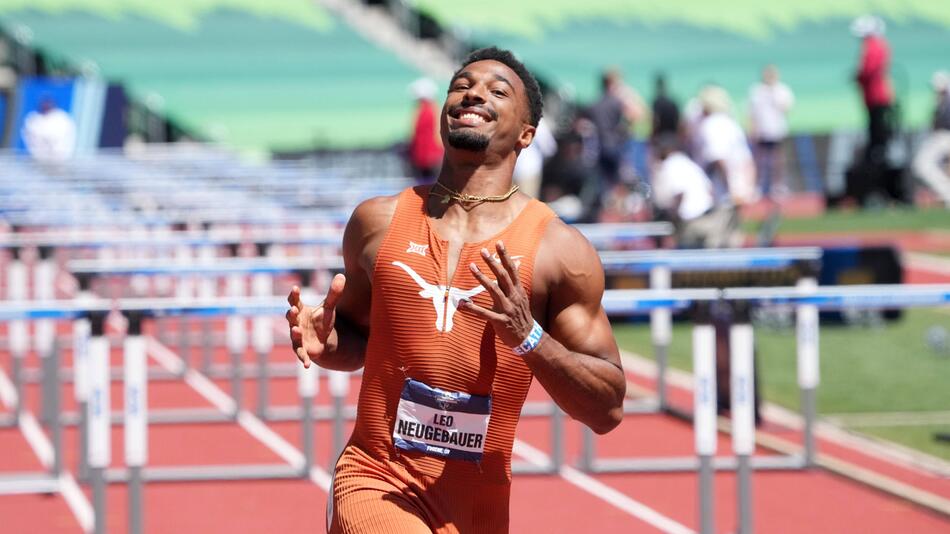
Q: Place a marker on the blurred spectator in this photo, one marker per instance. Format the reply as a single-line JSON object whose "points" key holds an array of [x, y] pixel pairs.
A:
{"points": [[932, 161], [425, 145], [684, 195], [666, 113], [49, 132], [769, 103], [872, 75], [690, 119], [724, 149], [613, 115], [530, 164], [565, 177]]}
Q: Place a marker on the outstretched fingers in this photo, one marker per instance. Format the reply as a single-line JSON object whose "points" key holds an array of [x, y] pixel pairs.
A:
{"points": [[467, 305], [496, 293], [327, 315], [333, 294], [294, 297], [296, 334], [501, 276], [511, 268], [296, 339], [303, 357]]}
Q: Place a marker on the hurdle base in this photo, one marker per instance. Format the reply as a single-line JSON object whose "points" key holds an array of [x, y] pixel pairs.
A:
{"points": [[165, 416], [677, 464], [210, 473], [9, 420], [28, 483], [326, 413], [248, 370], [282, 414], [527, 468], [642, 406]]}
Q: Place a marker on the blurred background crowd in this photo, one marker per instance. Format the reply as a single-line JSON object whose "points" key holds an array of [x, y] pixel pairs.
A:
{"points": [[700, 117]]}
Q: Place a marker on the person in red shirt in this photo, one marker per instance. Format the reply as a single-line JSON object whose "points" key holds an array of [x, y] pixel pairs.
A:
{"points": [[425, 147], [873, 78]]}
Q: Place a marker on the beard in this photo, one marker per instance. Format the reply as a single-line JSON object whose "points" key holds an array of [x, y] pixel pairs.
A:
{"points": [[468, 139]]}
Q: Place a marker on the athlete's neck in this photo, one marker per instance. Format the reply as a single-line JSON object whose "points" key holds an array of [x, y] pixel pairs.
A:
{"points": [[479, 178]]}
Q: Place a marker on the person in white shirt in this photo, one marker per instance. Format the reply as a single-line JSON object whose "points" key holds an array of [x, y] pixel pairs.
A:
{"points": [[49, 133], [932, 160], [769, 103], [724, 150], [530, 164], [684, 193]]}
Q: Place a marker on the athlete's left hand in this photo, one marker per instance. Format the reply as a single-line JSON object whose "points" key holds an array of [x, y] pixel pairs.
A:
{"points": [[510, 314]]}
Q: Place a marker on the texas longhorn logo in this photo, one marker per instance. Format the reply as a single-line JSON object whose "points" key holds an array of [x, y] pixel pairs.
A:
{"points": [[445, 300]]}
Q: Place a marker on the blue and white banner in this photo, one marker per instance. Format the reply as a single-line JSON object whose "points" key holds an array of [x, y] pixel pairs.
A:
{"points": [[441, 423]]}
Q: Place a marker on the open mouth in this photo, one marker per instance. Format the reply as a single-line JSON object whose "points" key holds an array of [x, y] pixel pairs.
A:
{"points": [[470, 116]]}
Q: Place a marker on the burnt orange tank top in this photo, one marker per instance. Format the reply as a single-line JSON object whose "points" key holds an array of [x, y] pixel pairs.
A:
{"points": [[416, 333]]}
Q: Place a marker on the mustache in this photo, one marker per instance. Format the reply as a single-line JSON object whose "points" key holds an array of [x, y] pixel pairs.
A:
{"points": [[491, 113]]}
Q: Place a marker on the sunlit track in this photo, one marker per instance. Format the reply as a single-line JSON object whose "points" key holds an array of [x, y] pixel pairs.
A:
{"points": [[248, 421], [78, 504], [603, 491]]}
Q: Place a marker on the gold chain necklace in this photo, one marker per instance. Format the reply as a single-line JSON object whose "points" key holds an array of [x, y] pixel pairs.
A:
{"points": [[465, 199]]}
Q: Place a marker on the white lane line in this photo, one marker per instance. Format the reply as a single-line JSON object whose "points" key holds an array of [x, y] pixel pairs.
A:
{"points": [[215, 395], [604, 492], [927, 262], [7, 391], [164, 356], [271, 439], [77, 502], [321, 478], [206, 388], [248, 421], [37, 440], [910, 459], [879, 419]]}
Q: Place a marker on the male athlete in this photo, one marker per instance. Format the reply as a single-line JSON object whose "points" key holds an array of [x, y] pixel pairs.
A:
{"points": [[455, 295]]}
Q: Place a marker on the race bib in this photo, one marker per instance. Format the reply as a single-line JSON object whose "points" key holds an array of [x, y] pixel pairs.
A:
{"points": [[441, 423]]}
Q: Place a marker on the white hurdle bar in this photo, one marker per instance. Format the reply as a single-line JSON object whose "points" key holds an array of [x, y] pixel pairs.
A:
{"points": [[601, 235], [99, 453], [660, 266], [98, 417], [807, 298]]}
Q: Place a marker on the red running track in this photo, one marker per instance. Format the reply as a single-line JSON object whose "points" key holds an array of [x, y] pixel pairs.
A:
{"points": [[814, 501]]}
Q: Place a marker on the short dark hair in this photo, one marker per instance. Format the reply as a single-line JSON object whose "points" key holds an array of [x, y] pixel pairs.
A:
{"points": [[531, 87]]}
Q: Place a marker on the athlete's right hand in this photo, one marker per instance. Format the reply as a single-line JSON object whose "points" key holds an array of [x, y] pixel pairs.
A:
{"points": [[311, 327]]}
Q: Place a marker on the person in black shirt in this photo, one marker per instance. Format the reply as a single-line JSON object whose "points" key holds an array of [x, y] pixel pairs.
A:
{"points": [[666, 113]]}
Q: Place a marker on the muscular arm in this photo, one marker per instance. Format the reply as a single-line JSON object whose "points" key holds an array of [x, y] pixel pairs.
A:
{"points": [[577, 360], [334, 334]]}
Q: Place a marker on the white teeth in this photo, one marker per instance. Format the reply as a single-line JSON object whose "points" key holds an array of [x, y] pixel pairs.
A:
{"points": [[472, 116]]}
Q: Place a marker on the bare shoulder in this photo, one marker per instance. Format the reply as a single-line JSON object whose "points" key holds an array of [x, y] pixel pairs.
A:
{"points": [[567, 263], [365, 232], [374, 213]]}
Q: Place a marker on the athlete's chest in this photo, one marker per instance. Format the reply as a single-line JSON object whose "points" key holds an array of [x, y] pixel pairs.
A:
{"points": [[427, 277]]}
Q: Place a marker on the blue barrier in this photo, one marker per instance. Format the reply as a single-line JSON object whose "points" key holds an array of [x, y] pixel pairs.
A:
{"points": [[216, 267], [616, 301], [709, 260], [599, 235]]}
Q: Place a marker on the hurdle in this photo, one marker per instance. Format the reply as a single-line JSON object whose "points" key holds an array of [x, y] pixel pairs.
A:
{"points": [[660, 266], [807, 299], [236, 340], [99, 418]]}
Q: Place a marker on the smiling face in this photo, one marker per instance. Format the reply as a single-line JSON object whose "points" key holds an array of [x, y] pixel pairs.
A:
{"points": [[486, 109]]}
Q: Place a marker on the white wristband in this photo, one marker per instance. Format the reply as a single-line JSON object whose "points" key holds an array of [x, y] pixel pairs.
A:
{"points": [[531, 342]]}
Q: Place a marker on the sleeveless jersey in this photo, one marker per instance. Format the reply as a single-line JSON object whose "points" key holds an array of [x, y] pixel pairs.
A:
{"points": [[415, 333]]}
